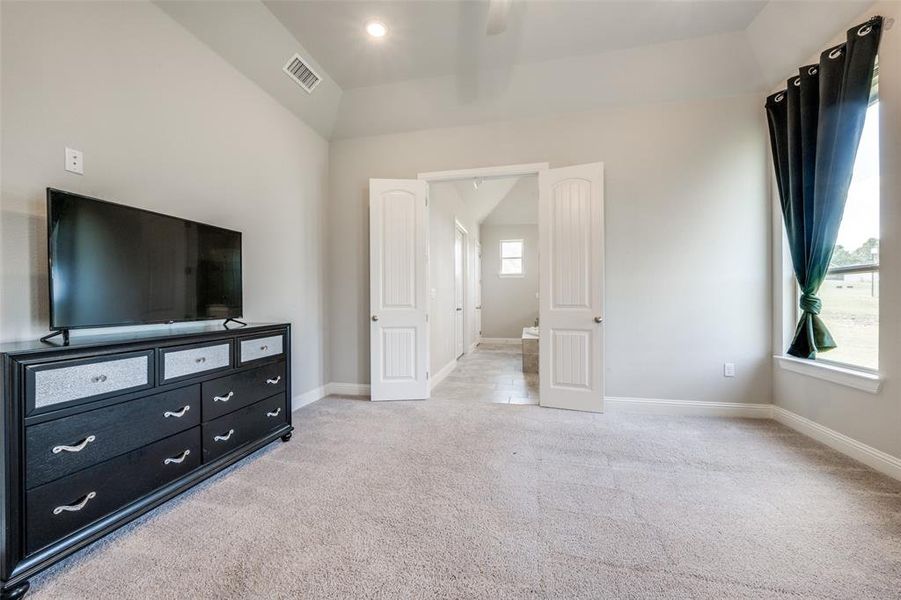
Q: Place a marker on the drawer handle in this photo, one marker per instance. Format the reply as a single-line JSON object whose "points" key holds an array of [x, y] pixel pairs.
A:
{"points": [[274, 413], [178, 413], [264, 348], [224, 438], [274, 381], [76, 448], [98, 378], [224, 398], [74, 507], [180, 459], [200, 359]]}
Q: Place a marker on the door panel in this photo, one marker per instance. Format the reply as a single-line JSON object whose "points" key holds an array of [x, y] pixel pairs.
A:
{"points": [[571, 228], [398, 274], [459, 343]]}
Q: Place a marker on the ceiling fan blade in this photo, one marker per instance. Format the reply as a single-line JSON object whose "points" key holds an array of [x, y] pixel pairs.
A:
{"points": [[497, 16]]}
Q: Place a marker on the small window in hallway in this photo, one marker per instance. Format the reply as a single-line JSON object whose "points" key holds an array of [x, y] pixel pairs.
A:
{"points": [[511, 259]]}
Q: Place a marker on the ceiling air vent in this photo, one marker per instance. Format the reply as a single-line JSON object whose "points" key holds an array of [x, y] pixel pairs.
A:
{"points": [[302, 73]]}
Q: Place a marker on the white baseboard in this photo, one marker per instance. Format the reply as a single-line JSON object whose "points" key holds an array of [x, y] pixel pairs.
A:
{"points": [[501, 340], [876, 459], [347, 389], [693, 408], [313, 395], [441, 374]]}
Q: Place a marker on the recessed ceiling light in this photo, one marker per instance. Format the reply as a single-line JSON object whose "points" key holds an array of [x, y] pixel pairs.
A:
{"points": [[376, 29]]}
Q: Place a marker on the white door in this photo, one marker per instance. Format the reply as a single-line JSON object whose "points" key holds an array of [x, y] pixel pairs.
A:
{"points": [[398, 289], [459, 245], [478, 289], [571, 305]]}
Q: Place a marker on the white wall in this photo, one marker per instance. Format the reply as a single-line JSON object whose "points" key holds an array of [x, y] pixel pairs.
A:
{"points": [[165, 124], [687, 249], [872, 419], [508, 303], [445, 206]]}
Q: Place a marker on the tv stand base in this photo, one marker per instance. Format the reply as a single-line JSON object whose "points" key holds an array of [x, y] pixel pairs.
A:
{"points": [[64, 333], [231, 320]]}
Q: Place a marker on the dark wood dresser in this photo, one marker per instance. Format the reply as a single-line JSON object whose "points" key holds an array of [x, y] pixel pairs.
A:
{"points": [[98, 432]]}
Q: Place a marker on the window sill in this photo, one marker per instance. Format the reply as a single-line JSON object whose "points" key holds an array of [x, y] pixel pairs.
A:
{"points": [[858, 379]]}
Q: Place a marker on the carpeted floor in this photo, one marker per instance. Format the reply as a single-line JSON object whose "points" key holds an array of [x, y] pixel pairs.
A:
{"points": [[468, 496]]}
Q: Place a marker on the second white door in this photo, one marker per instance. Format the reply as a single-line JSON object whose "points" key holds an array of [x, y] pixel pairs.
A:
{"points": [[459, 246]]}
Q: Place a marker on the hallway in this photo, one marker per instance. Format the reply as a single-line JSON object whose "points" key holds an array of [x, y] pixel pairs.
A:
{"points": [[493, 373]]}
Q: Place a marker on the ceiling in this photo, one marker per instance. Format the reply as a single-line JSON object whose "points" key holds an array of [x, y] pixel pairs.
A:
{"points": [[437, 67], [432, 38]]}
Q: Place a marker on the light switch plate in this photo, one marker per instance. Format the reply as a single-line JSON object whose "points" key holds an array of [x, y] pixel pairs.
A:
{"points": [[728, 369], [74, 161]]}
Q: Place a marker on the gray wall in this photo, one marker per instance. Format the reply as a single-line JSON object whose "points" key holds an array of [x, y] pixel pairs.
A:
{"points": [[688, 274], [445, 207], [164, 124], [874, 419], [508, 303]]}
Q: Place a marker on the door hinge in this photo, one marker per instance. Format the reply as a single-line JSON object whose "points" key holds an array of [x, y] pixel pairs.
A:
{"points": [[426, 374], [427, 317], [426, 200]]}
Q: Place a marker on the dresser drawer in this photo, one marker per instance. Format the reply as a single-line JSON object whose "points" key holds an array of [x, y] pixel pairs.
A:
{"points": [[258, 348], [51, 384], [69, 444], [240, 427], [181, 362], [64, 506], [229, 393]]}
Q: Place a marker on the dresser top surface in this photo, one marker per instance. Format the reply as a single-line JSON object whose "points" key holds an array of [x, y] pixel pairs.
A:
{"points": [[162, 335]]}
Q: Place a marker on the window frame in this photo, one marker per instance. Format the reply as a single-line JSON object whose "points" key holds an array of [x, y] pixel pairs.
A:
{"points": [[852, 269], [521, 258]]}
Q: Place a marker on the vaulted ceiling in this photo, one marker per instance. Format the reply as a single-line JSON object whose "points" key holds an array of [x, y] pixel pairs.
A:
{"points": [[438, 67]]}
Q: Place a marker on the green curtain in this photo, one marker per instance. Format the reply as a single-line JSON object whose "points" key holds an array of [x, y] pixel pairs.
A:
{"points": [[815, 126]]}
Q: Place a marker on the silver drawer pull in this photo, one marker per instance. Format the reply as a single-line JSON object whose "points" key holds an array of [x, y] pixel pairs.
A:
{"points": [[224, 398], [264, 348], [275, 413], [224, 438], [200, 359], [181, 457], [76, 448], [178, 413], [274, 381], [74, 507], [98, 378]]}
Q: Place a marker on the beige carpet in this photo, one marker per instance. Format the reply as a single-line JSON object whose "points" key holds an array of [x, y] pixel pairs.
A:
{"points": [[462, 497]]}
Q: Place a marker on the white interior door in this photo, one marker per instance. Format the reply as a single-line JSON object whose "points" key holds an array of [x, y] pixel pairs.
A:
{"points": [[459, 245], [571, 305], [478, 289], [398, 288]]}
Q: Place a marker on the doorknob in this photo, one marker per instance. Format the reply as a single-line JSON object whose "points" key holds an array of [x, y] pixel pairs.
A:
{"points": [[375, 317], [598, 319]]}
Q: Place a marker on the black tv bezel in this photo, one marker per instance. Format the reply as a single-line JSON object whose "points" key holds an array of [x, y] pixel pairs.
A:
{"points": [[58, 327]]}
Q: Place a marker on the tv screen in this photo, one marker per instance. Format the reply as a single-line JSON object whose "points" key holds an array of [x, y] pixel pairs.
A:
{"points": [[116, 265]]}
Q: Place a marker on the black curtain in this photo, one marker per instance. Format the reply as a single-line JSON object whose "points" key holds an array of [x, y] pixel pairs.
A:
{"points": [[815, 127]]}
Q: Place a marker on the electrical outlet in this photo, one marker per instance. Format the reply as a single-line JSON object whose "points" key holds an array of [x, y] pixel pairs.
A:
{"points": [[74, 161], [728, 369]]}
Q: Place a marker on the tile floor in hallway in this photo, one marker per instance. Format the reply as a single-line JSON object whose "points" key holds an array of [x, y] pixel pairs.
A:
{"points": [[493, 373]]}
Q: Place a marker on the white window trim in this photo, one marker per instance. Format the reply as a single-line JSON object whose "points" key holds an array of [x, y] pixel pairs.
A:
{"points": [[500, 259], [853, 377]]}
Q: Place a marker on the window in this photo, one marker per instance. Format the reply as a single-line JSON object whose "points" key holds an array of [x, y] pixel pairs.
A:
{"points": [[850, 293], [511, 259]]}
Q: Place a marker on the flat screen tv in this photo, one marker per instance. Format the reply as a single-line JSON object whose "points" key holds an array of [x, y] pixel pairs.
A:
{"points": [[117, 265]]}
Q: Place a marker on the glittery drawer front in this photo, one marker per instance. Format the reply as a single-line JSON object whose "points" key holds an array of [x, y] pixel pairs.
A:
{"points": [[193, 361], [55, 385], [262, 347]]}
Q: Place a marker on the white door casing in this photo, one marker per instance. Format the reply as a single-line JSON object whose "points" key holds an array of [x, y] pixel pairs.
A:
{"points": [[571, 305], [459, 293], [398, 288]]}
